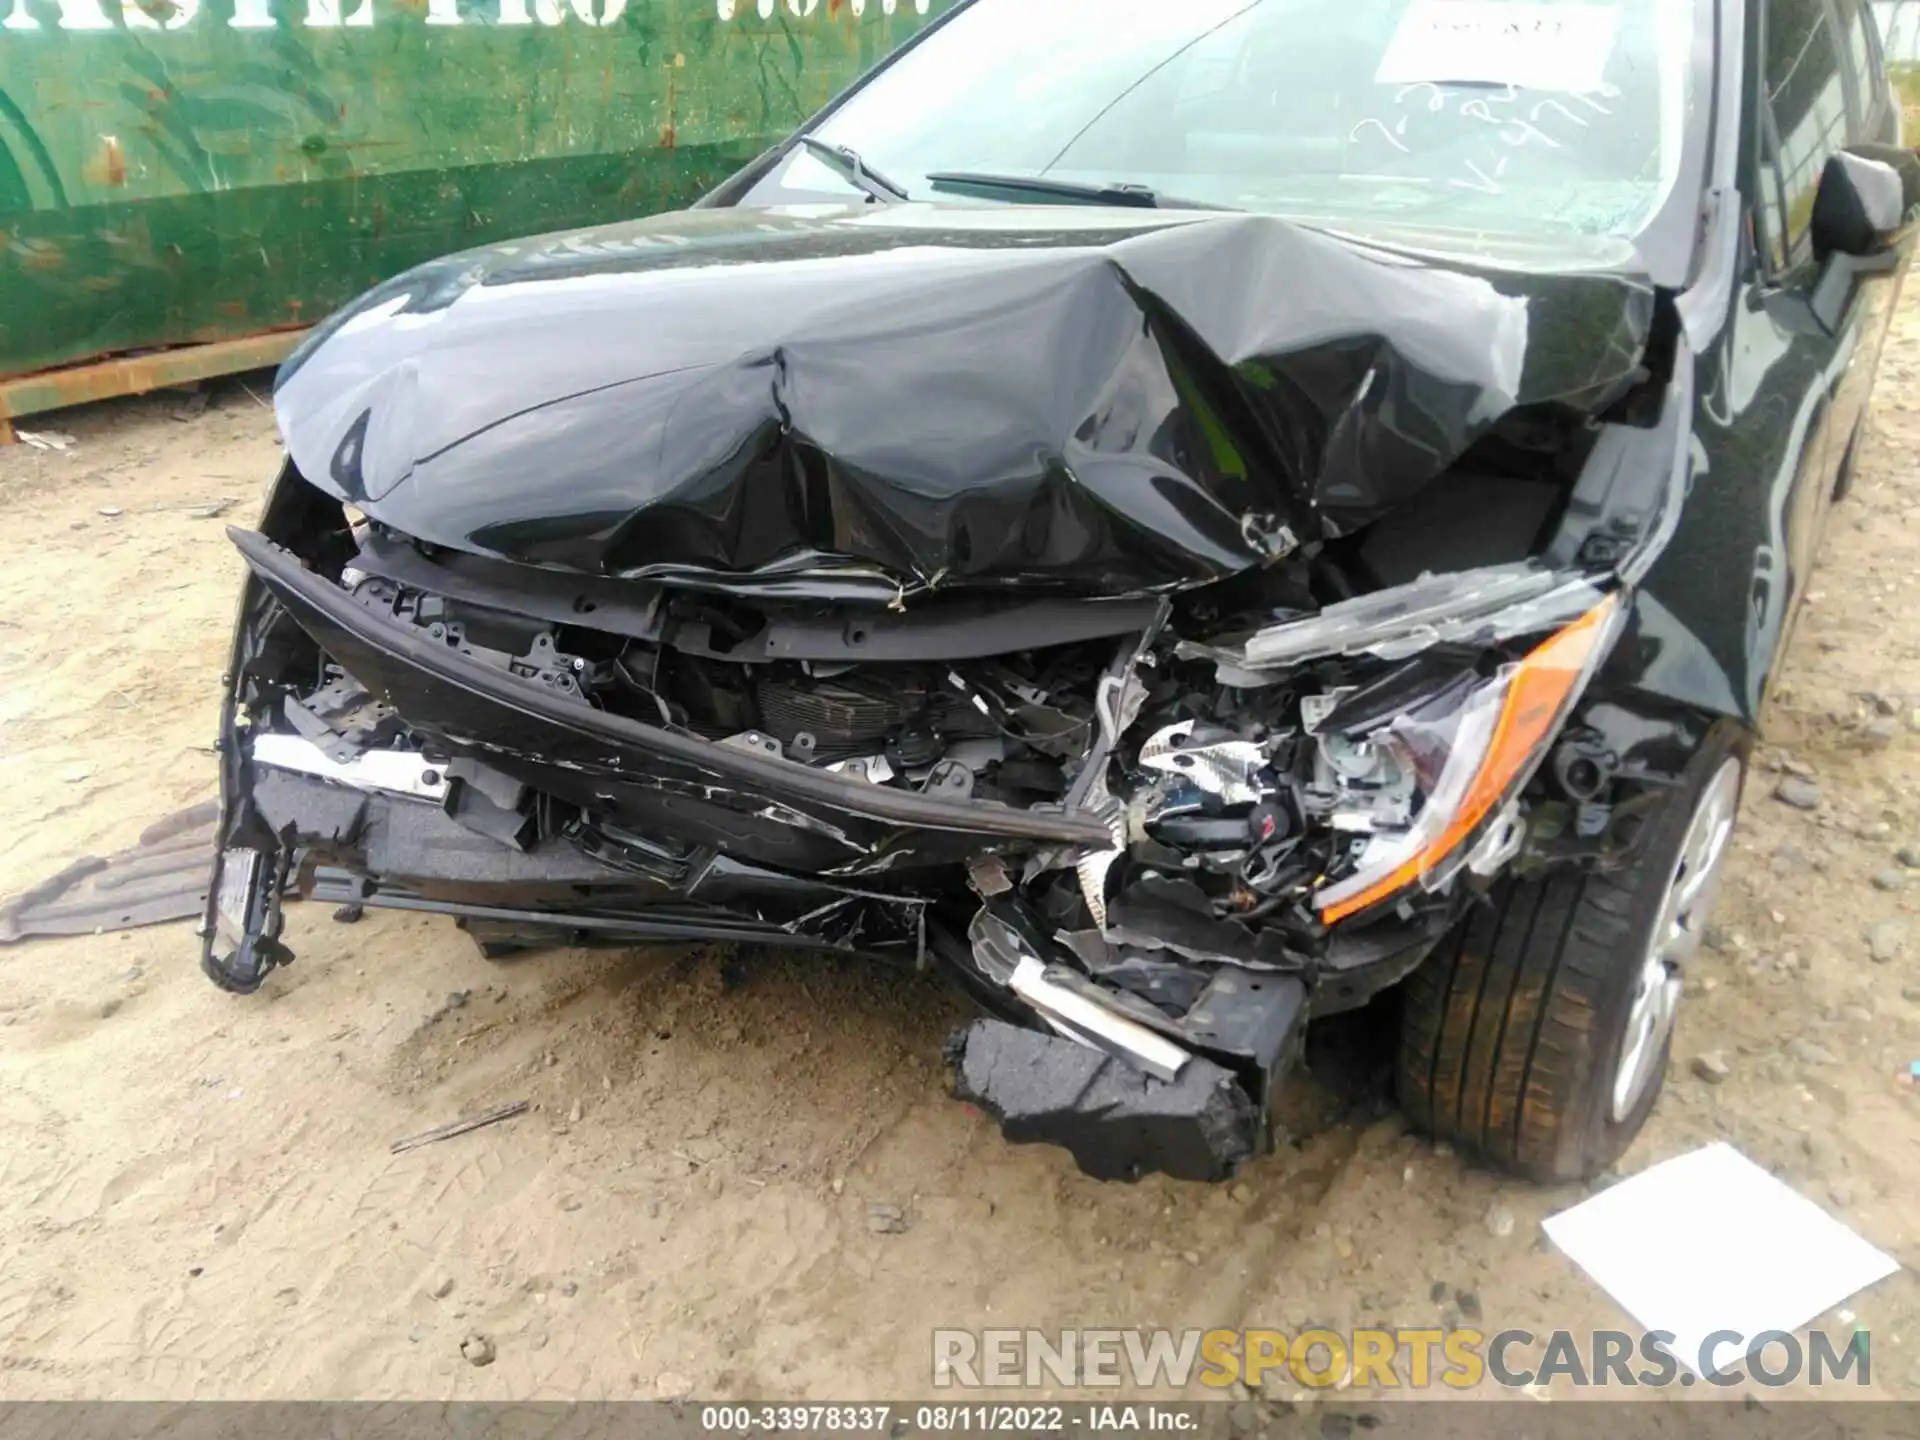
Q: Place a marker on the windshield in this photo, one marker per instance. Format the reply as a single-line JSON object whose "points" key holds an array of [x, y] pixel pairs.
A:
{"points": [[1528, 119]]}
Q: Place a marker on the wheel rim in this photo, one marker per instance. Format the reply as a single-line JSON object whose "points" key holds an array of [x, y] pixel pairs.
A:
{"points": [[1684, 911]]}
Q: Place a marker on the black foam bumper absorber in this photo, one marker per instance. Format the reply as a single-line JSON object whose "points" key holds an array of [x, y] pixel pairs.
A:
{"points": [[1118, 1122]]}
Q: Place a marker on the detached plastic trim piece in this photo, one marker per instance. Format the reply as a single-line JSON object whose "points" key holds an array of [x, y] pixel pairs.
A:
{"points": [[165, 877]]}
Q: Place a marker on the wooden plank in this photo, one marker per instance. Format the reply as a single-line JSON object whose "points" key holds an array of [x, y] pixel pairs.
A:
{"points": [[137, 374]]}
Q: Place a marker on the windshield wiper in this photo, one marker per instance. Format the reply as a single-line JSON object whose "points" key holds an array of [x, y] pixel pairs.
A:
{"points": [[1124, 193], [846, 160]]}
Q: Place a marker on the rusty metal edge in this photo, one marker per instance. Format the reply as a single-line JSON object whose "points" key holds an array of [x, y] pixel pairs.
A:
{"points": [[135, 374]]}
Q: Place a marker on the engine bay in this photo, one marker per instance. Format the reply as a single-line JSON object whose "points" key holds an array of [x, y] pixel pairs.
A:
{"points": [[1238, 777]]}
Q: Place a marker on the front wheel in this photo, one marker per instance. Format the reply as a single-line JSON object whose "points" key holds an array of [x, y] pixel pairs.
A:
{"points": [[1536, 1037]]}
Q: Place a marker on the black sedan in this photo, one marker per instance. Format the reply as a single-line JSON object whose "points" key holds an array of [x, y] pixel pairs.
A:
{"points": [[1187, 515]]}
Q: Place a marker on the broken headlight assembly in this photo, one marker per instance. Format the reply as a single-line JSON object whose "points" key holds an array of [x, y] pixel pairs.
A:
{"points": [[1428, 788]]}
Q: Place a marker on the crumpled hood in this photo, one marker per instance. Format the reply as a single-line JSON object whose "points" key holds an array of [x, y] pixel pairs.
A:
{"points": [[1110, 400]]}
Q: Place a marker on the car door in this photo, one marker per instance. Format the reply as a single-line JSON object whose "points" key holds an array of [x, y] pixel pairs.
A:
{"points": [[1812, 101], [1875, 118], [1765, 455]]}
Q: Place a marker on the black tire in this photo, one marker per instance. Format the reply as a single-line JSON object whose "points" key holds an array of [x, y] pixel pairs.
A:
{"points": [[1511, 1031]]}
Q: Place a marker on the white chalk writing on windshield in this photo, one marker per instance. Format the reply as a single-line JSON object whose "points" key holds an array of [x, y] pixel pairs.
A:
{"points": [[1515, 120]]}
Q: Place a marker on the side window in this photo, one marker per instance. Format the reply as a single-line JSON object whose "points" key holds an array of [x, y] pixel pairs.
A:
{"points": [[1863, 56], [1807, 115]]}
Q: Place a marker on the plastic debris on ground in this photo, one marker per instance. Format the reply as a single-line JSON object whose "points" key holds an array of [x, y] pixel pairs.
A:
{"points": [[1709, 1242], [162, 878]]}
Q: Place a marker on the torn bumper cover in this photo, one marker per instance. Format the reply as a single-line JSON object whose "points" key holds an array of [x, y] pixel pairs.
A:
{"points": [[485, 843], [1086, 680]]}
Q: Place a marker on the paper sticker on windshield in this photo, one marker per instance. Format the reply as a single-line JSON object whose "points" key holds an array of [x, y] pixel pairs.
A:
{"points": [[1502, 42]]}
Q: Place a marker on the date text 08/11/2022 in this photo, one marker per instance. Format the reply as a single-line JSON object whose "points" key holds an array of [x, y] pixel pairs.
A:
{"points": [[1092, 1419]]}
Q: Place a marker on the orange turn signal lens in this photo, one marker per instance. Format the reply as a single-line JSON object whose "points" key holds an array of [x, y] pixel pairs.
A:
{"points": [[1538, 691]]}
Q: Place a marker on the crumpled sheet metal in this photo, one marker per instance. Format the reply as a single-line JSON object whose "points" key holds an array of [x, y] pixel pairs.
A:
{"points": [[1114, 401]]}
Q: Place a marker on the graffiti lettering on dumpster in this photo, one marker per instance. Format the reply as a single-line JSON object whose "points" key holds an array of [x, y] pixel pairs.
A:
{"points": [[29, 15]]}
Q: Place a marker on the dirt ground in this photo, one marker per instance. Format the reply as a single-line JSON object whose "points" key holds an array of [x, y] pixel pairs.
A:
{"points": [[196, 1193]]}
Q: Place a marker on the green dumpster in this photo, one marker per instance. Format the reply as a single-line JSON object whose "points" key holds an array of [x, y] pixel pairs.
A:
{"points": [[221, 173]]}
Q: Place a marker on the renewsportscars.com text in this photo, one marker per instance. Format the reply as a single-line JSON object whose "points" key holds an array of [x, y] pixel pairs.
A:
{"points": [[1409, 1358]]}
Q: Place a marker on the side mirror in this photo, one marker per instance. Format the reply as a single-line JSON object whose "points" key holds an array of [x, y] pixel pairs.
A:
{"points": [[1860, 204], [1905, 162]]}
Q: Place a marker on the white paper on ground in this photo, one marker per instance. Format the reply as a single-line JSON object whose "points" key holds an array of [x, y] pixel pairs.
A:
{"points": [[1553, 46], [1710, 1242]]}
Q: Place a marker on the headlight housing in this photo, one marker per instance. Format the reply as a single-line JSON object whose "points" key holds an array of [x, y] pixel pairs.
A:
{"points": [[1469, 749]]}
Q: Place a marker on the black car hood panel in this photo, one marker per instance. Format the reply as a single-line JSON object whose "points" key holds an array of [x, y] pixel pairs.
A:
{"points": [[1104, 400]]}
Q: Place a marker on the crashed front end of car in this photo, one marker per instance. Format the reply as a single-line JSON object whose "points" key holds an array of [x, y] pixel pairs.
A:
{"points": [[1172, 668]]}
